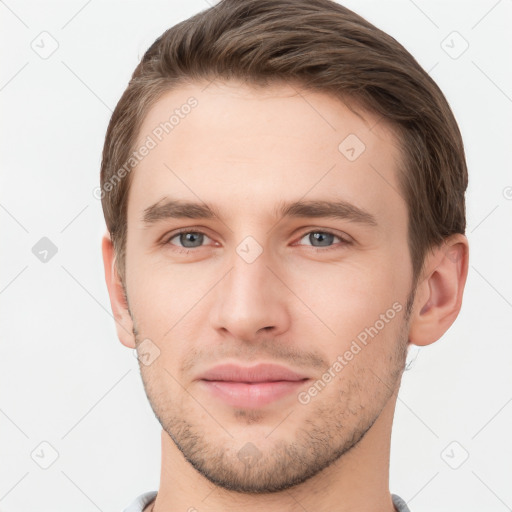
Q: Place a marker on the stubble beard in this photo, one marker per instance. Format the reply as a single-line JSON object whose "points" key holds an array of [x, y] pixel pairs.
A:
{"points": [[328, 432]]}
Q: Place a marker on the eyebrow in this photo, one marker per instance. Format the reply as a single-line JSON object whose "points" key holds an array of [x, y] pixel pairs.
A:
{"points": [[180, 209]]}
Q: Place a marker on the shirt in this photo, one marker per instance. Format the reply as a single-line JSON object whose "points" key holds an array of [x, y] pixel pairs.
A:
{"points": [[145, 498]]}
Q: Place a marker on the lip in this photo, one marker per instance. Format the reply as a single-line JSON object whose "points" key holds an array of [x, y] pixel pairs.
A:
{"points": [[259, 373], [253, 386]]}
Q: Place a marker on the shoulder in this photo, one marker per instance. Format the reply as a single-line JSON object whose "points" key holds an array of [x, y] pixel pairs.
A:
{"points": [[400, 504], [141, 501]]}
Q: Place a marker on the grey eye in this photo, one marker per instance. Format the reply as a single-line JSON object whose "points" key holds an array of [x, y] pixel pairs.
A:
{"points": [[320, 238], [190, 239]]}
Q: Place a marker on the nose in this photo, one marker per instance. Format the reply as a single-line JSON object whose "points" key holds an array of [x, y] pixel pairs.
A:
{"points": [[251, 302]]}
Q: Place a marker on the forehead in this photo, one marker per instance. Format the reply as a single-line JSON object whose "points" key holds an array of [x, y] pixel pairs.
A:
{"points": [[246, 148]]}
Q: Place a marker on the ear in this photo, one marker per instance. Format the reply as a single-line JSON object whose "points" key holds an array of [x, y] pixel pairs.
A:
{"points": [[124, 324], [439, 291]]}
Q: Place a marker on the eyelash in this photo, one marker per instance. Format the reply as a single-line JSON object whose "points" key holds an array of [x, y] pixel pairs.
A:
{"points": [[184, 250]]}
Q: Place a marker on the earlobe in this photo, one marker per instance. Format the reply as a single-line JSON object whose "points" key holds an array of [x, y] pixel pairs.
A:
{"points": [[439, 293], [118, 303]]}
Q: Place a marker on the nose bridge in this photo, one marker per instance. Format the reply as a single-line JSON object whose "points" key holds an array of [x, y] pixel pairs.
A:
{"points": [[248, 281], [249, 276], [249, 299]]}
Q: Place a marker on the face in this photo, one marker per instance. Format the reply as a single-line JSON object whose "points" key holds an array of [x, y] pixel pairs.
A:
{"points": [[303, 263]]}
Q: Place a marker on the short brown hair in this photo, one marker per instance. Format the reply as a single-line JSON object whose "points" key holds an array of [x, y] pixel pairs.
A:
{"points": [[321, 46]]}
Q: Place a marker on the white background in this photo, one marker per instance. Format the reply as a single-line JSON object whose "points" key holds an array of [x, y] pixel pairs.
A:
{"points": [[65, 378]]}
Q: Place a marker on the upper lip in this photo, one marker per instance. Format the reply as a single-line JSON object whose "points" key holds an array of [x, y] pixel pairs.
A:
{"points": [[257, 373]]}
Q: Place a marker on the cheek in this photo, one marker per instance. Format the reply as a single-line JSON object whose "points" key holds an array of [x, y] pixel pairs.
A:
{"points": [[352, 302], [164, 297], [344, 292]]}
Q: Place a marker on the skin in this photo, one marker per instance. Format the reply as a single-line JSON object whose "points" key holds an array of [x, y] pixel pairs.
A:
{"points": [[298, 303]]}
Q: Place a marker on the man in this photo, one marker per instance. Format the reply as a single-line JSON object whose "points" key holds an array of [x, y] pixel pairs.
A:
{"points": [[283, 188]]}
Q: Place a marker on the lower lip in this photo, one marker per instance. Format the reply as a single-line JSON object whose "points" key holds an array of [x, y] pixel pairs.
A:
{"points": [[243, 394]]}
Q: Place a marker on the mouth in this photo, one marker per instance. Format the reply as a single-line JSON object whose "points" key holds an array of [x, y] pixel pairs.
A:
{"points": [[251, 387]]}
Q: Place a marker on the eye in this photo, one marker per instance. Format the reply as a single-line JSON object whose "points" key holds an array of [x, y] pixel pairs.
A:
{"points": [[319, 239], [188, 239]]}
